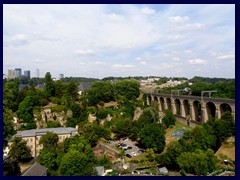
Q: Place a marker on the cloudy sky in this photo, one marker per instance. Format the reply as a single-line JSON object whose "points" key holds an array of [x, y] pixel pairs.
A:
{"points": [[120, 40]]}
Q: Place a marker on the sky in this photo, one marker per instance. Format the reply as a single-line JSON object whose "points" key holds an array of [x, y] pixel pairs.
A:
{"points": [[173, 40]]}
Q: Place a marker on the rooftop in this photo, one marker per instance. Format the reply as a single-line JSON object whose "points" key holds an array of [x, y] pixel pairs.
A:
{"points": [[34, 132], [35, 170]]}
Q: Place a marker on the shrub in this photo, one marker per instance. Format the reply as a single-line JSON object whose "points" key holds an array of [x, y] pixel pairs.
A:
{"points": [[102, 113], [58, 108]]}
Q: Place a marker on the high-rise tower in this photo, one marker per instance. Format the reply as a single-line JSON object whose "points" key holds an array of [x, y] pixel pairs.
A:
{"points": [[27, 74], [37, 73], [18, 72]]}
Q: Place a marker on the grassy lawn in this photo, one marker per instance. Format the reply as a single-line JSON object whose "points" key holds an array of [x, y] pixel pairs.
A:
{"points": [[169, 137]]}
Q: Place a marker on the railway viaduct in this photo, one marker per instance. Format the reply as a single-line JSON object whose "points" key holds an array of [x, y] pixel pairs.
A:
{"points": [[198, 109]]}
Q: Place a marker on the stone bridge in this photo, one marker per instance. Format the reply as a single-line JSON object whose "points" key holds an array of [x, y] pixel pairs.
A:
{"points": [[193, 107]]}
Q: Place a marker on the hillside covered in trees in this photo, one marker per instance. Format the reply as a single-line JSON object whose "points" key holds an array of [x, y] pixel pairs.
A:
{"points": [[60, 158]]}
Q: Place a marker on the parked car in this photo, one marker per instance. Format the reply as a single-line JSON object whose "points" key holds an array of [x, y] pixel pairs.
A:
{"points": [[129, 147], [129, 155], [141, 151], [133, 154]]}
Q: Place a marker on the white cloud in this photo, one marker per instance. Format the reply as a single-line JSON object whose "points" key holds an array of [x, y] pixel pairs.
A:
{"points": [[143, 62], [176, 59], [39, 60], [19, 40], [113, 17], [100, 62], [84, 52], [176, 37], [197, 61], [191, 26], [122, 66], [147, 10], [179, 19], [228, 56]]}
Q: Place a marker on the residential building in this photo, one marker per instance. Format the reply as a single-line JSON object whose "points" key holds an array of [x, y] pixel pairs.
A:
{"points": [[83, 87], [18, 72], [10, 74], [33, 136], [39, 86], [22, 86], [37, 73], [61, 76], [27, 74], [36, 170]]}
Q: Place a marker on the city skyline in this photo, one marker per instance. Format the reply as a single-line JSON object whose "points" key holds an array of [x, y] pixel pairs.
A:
{"points": [[120, 40]]}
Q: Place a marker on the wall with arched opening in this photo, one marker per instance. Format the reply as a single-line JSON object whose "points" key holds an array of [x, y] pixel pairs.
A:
{"points": [[211, 110], [177, 106]]}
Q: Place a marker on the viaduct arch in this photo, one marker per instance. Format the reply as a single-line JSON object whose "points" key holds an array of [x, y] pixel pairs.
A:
{"points": [[199, 110]]}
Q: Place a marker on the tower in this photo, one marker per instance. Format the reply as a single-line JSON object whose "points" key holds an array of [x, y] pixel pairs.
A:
{"points": [[37, 73], [27, 74], [18, 72], [10, 74]]}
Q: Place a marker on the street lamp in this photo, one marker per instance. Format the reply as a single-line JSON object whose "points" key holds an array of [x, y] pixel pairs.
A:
{"points": [[209, 94]]}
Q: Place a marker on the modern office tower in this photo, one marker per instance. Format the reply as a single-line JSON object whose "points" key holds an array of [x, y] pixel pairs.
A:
{"points": [[27, 74], [61, 76], [37, 73], [18, 72], [10, 74]]}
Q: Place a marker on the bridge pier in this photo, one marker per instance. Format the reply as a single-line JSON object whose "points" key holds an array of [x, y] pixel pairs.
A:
{"points": [[182, 110]]}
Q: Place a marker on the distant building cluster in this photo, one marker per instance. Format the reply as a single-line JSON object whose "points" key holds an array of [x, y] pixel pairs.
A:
{"points": [[17, 73]]}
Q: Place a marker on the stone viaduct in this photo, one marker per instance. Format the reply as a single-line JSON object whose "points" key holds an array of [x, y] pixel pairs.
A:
{"points": [[193, 107]]}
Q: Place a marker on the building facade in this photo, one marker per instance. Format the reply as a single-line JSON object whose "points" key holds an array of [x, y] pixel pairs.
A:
{"points": [[37, 73], [27, 74], [33, 136], [18, 72], [61, 76], [10, 74]]}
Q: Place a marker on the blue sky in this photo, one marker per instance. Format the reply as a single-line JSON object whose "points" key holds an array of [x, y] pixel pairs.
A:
{"points": [[120, 40]]}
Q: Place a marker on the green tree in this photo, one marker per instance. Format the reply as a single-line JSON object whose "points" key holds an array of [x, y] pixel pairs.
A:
{"points": [[75, 163], [52, 124], [10, 94], [8, 129], [149, 116], [169, 118], [76, 110], [48, 158], [50, 155], [49, 87], [150, 154], [19, 151], [49, 140], [89, 133], [100, 91], [72, 90], [60, 88], [198, 162], [152, 136], [128, 88]]}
